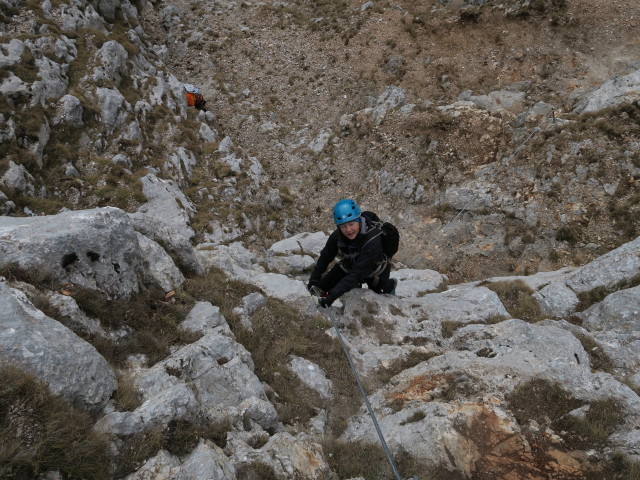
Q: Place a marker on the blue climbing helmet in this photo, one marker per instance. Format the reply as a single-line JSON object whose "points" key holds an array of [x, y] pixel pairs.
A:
{"points": [[346, 210]]}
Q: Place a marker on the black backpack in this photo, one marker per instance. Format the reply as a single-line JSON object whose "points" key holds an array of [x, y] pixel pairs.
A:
{"points": [[390, 234]]}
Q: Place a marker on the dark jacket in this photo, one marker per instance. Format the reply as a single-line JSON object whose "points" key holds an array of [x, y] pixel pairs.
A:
{"points": [[359, 258]]}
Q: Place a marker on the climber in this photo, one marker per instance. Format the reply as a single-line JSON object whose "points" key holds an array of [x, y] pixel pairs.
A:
{"points": [[358, 245], [194, 97]]}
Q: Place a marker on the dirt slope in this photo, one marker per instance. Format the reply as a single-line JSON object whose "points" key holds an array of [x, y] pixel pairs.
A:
{"points": [[276, 74]]}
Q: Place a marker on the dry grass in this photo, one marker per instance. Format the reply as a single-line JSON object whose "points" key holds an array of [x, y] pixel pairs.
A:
{"points": [[548, 404], [594, 429], [541, 401], [179, 438], [41, 278], [41, 432], [154, 325], [369, 461], [256, 471], [127, 397], [517, 300]]}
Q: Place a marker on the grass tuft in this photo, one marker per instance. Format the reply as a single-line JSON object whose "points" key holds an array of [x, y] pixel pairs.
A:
{"points": [[517, 300], [541, 401]]}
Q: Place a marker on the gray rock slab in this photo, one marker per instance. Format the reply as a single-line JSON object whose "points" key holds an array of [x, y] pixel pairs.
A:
{"points": [[614, 92], [44, 347], [302, 243], [159, 267], [205, 317], [619, 265], [618, 312], [311, 375], [165, 219], [95, 248], [464, 305], [556, 300], [414, 283]]}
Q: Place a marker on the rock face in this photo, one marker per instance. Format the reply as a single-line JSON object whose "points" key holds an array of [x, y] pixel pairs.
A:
{"points": [[53, 353], [95, 248], [465, 378], [479, 151], [165, 219]]}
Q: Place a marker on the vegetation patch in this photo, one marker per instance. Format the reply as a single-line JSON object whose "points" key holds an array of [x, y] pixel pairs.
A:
{"points": [[256, 471], [127, 397], [352, 460], [153, 324], [384, 374], [449, 327], [548, 404], [517, 299], [42, 277], [593, 429], [626, 217], [179, 437], [598, 294], [41, 432], [541, 401]]}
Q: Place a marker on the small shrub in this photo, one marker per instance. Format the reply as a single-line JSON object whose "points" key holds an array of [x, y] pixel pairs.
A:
{"points": [[41, 277], [624, 467], [350, 460], [154, 324], [470, 15], [626, 217], [127, 397], [415, 417], [569, 234], [135, 450], [592, 297], [256, 471]]}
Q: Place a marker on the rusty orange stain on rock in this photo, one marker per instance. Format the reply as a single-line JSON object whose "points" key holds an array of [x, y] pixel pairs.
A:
{"points": [[420, 388]]}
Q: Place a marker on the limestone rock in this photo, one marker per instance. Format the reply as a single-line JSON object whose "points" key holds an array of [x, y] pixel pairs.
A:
{"points": [[97, 249], [44, 347]]}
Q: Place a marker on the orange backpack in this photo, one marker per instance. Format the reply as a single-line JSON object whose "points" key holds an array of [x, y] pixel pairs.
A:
{"points": [[194, 96]]}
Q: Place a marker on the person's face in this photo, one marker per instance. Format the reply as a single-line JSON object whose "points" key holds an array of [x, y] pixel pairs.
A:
{"points": [[350, 229]]}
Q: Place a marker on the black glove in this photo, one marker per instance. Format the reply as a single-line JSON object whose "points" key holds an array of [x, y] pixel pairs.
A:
{"points": [[324, 302], [310, 286]]}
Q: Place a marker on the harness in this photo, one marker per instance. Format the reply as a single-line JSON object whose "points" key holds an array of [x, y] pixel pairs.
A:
{"points": [[344, 259]]}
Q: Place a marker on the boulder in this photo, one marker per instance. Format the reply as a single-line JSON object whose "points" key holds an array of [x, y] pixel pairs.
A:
{"points": [[609, 270], [165, 219], [618, 312], [111, 61], [206, 461], [95, 248], [47, 349], [614, 92], [311, 375], [159, 269]]}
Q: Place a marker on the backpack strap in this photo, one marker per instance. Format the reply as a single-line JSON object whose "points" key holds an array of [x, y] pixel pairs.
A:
{"points": [[372, 233]]}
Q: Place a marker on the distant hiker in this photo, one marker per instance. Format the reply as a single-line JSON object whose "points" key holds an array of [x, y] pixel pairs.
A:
{"points": [[194, 97], [359, 245]]}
